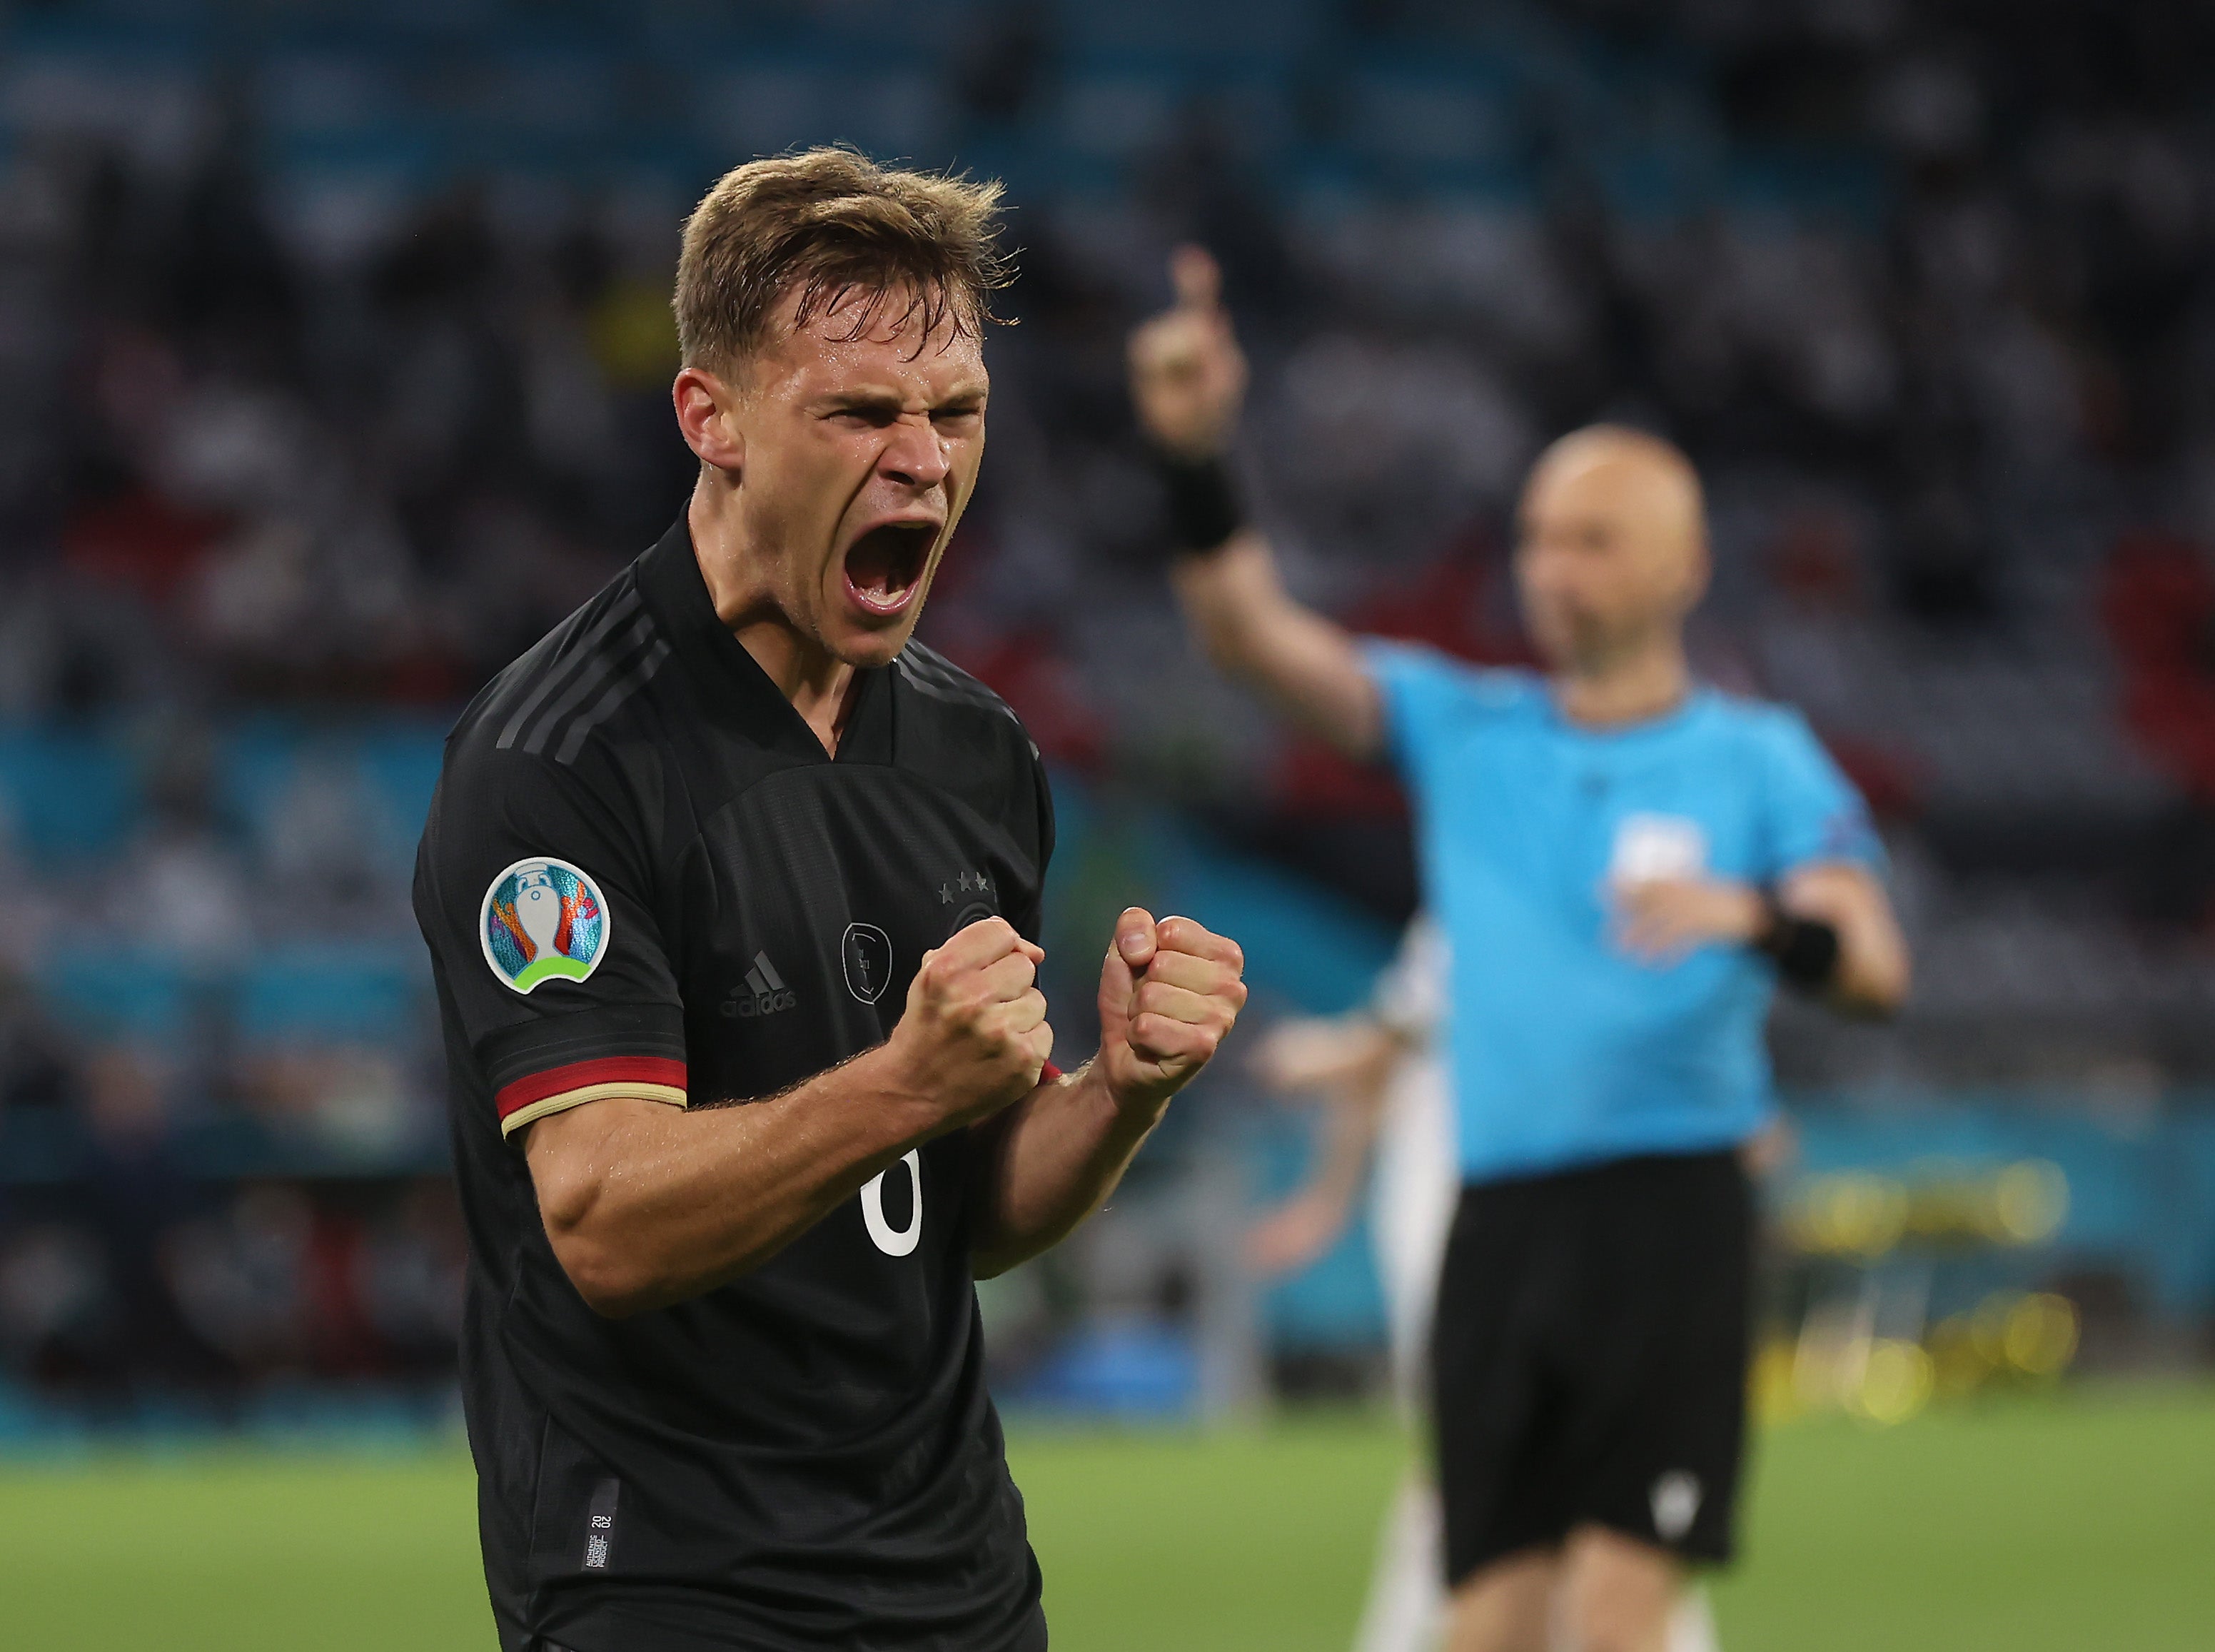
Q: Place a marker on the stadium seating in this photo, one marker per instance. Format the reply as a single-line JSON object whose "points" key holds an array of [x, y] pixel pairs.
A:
{"points": [[1449, 231]]}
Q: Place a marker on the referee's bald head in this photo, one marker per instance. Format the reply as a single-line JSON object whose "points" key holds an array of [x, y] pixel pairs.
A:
{"points": [[1611, 542]]}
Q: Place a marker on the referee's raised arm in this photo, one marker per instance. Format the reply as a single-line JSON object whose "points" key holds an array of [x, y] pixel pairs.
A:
{"points": [[1187, 380]]}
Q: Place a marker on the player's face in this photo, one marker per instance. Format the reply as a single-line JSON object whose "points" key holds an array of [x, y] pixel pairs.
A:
{"points": [[1607, 554], [859, 455]]}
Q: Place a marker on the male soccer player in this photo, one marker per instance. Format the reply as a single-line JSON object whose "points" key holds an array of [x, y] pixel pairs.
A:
{"points": [[728, 887], [1623, 863]]}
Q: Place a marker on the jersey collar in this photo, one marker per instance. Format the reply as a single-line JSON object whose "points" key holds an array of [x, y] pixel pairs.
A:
{"points": [[1698, 695], [735, 690]]}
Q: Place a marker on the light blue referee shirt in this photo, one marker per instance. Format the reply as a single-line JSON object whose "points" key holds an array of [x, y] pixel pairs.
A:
{"points": [[1565, 1050]]}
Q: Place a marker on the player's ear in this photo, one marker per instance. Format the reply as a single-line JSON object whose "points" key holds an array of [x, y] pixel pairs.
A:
{"points": [[705, 404]]}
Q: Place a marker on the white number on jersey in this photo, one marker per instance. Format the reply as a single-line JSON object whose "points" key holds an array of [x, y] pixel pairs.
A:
{"points": [[901, 1242]]}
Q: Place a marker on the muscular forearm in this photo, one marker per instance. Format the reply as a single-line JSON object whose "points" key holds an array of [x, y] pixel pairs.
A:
{"points": [[658, 1203], [1051, 1161], [1253, 628], [647, 1205]]}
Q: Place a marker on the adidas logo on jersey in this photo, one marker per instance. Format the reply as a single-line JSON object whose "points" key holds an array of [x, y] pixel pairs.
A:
{"points": [[763, 994]]}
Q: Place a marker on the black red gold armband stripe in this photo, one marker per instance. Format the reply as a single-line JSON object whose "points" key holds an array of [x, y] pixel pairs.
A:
{"points": [[652, 1078]]}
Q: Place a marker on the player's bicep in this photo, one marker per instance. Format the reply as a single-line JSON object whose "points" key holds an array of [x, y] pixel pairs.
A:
{"points": [[569, 1152]]}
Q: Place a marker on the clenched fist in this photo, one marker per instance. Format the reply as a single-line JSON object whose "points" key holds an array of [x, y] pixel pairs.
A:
{"points": [[974, 1035], [1187, 374], [1168, 992]]}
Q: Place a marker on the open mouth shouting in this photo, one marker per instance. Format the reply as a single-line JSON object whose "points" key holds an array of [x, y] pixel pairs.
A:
{"points": [[884, 567]]}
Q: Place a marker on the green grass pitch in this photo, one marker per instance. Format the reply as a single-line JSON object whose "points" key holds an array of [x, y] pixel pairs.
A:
{"points": [[2087, 1520]]}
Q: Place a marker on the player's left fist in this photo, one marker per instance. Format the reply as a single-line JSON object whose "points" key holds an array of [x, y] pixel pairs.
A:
{"points": [[1168, 993]]}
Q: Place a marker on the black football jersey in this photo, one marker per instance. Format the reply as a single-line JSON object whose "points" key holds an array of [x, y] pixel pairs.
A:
{"points": [[643, 875]]}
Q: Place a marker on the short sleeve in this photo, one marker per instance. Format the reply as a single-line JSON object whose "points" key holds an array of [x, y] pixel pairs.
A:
{"points": [[533, 890], [1814, 813], [1413, 684]]}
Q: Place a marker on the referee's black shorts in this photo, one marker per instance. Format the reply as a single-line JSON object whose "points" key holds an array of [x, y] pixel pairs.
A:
{"points": [[1589, 1357]]}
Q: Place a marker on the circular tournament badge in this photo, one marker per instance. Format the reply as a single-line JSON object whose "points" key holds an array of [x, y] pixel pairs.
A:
{"points": [[542, 920]]}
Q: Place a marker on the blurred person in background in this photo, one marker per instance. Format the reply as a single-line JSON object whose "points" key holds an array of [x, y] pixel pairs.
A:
{"points": [[1381, 1072], [1624, 862], [408, 1278], [136, 1196], [244, 1275], [728, 887]]}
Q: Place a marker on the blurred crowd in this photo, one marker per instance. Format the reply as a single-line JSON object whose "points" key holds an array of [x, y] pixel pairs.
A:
{"points": [[334, 365]]}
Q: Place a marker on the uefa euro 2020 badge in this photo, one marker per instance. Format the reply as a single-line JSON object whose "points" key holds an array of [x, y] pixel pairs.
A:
{"points": [[544, 920]]}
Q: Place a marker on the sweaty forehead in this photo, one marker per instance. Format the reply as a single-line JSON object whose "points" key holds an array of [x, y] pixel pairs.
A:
{"points": [[892, 350]]}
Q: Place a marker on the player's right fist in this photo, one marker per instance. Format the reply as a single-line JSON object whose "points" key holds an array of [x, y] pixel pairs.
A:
{"points": [[973, 1037], [1188, 373]]}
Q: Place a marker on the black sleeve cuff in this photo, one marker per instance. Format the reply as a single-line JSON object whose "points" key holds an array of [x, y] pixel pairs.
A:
{"points": [[655, 1030]]}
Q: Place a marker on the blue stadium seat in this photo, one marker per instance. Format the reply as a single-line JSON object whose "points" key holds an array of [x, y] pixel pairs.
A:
{"points": [[1840, 183], [403, 150], [117, 993], [400, 763], [314, 94], [760, 106], [541, 91], [1120, 104], [1249, 29], [256, 762], [1650, 185], [388, 768], [1118, 112], [1431, 120], [318, 992], [66, 796]]}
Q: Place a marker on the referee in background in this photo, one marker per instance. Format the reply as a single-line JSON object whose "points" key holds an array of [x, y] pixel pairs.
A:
{"points": [[1623, 863]]}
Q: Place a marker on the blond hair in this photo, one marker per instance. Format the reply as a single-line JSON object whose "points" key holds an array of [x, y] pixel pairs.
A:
{"points": [[832, 223]]}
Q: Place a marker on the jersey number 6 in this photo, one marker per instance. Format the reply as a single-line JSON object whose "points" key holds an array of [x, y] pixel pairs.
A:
{"points": [[892, 1241]]}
